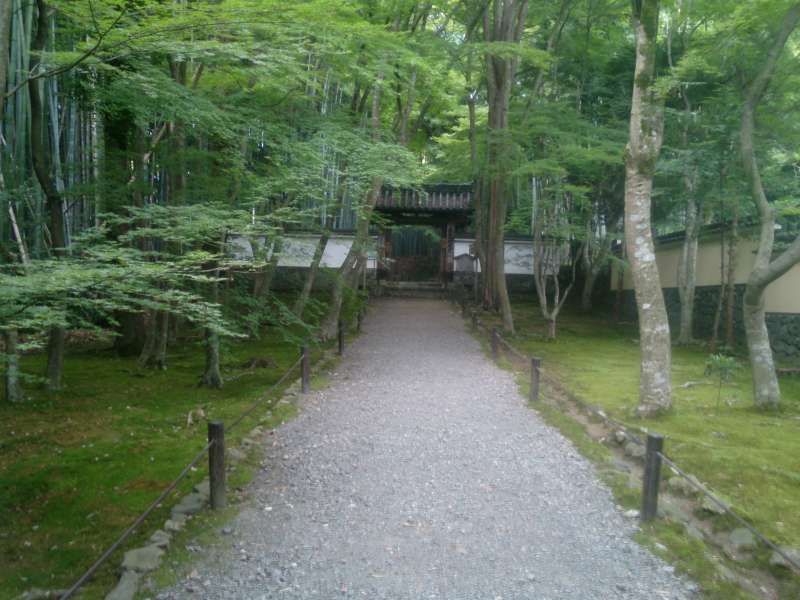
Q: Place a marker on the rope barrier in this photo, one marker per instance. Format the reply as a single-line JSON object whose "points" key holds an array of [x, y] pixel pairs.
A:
{"points": [[637, 440], [697, 485], [269, 391], [126, 534], [157, 502]]}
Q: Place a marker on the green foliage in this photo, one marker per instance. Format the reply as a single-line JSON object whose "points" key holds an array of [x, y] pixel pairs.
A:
{"points": [[724, 367]]}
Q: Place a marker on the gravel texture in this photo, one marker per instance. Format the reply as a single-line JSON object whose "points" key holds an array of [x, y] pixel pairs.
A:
{"points": [[419, 473]]}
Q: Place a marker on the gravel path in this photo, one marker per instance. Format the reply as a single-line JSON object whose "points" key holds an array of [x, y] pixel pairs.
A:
{"points": [[419, 473]]}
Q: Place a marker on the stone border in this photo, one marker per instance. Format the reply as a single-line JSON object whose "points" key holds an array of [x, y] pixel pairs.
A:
{"points": [[138, 562]]}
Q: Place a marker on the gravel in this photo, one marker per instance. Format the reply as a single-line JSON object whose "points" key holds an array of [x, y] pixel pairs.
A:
{"points": [[418, 473]]}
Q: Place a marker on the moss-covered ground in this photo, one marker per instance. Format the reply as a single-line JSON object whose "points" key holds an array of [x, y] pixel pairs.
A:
{"points": [[749, 457], [77, 466]]}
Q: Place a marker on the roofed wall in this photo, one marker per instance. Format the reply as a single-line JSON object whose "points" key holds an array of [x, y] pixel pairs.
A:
{"points": [[782, 295]]}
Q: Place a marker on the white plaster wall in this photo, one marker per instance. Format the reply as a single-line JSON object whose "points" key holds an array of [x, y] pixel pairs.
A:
{"points": [[518, 255], [782, 295], [298, 250]]}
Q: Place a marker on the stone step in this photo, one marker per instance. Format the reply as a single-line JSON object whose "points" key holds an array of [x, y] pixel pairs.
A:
{"points": [[412, 289]]}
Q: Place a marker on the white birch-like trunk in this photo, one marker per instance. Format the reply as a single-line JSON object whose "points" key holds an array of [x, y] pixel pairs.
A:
{"points": [[644, 146], [11, 384], [766, 390]]}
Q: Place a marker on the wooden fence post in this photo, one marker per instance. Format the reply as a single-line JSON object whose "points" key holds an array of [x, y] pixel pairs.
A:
{"points": [[216, 464], [359, 319], [340, 335], [494, 342], [474, 320], [651, 478], [305, 370], [536, 365]]}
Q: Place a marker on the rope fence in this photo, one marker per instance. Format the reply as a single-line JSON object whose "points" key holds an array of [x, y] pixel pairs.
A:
{"points": [[215, 449], [653, 443]]}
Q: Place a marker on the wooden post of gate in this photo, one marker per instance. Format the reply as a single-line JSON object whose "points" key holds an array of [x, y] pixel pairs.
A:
{"points": [[340, 335], [652, 477], [305, 370], [536, 365], [494, 342], [216, 464], [359, 319], [474, 320]]}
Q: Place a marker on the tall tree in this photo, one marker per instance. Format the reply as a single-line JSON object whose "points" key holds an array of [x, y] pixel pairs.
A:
{"points": [[644, 145], [766, 269], [503, 24], [42, 153]]}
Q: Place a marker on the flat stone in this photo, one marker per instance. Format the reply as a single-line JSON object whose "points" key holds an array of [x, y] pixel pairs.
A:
{"points": [[40, 594], [126, 588], [175, 524], [709, 505], [634, 450], [742, 539], [695, 532], [234, 454], [681, 486], [189, 505], [203, 488], [160, 538], [726, 574], [143, 559], [776, 560], [673, 510], [621, 465]]}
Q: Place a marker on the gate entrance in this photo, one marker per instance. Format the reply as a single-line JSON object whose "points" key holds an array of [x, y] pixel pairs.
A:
{"points": [[413, 253], [418, 239]]}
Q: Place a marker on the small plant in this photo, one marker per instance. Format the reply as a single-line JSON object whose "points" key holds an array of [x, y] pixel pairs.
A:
{"points": [[724, 366]]}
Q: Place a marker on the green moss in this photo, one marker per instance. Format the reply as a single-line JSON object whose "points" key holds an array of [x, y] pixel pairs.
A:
{"points": [[76, 467]]}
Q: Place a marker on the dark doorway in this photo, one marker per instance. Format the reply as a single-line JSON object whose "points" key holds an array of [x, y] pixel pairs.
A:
{"points": [[414, 253]]}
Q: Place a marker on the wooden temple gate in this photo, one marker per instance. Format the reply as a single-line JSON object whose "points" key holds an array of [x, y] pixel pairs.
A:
{"points": [[445, 208]]}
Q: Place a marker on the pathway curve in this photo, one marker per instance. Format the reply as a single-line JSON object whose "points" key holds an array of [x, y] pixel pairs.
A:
{"points": [[420, 474]]}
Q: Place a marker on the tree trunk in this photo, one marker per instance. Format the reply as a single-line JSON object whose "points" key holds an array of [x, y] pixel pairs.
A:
{"points": [[687, 271], [766, 391], [212, 377], [503, 21], [150, 319], [11, 385], [160, 355], [551, 329], [131, 334], [42, 154], [330, 324], [348, 272], [730, 292], [620, 292], [644, 146], [712, 344], [5, 39], [300, 304], [588, 290], [55, 358]]}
